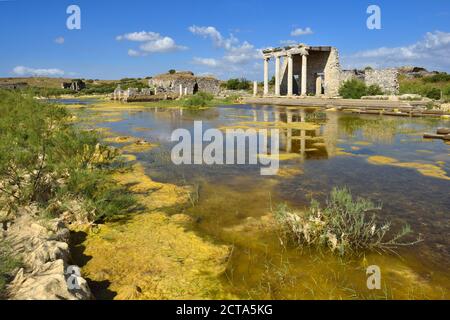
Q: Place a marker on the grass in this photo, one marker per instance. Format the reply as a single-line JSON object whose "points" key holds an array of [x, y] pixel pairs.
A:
{"points": [[433, 87], [8, 263], [344, 225]]}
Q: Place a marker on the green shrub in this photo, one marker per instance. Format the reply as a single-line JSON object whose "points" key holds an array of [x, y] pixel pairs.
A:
{"points": [[201, 99], [172, 71], [353, 89], [238, 84], [43, 157], [374, 90], [432, 93], [345, 225], [8, 263]]}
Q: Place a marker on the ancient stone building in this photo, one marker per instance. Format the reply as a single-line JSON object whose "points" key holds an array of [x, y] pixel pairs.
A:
{"points": [[184, 83], [75, 85], [303, 70]]}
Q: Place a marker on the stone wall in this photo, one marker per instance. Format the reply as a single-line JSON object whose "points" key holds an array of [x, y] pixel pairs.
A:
{"points": [[332, 74], [387, 79], [193, 84]]}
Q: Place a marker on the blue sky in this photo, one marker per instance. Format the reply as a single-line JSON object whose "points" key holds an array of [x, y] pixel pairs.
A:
{"points": [[138, 38]]}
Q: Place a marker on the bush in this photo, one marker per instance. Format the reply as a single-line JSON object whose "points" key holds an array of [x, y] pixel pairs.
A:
{"points": [[440, 77], [201, 99], [353, 89], [172, 71], [43, 157], [238, 84], [432, 93], [344, 225], [8, 263], [374, 90]]}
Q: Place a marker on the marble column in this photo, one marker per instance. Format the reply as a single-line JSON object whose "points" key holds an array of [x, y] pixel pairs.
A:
{"points": [[304, 73], [290, 77], [255, 88], [319, 85], [277, 76], [181, 90], [266, 76]]}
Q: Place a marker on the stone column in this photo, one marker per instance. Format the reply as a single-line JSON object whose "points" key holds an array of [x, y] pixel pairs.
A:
{"points": [[277, 76], [255, 88], [181, 90], [290, 77], [318, 86], [304, 73], [185, 91], [266, 76]]}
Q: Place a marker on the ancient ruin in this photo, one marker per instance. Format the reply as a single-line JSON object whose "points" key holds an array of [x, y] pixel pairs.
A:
{"points": [[303, 70], [75, 85], [184, 82]]}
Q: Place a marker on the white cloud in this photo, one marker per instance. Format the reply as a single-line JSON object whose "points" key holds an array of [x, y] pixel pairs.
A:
{"points": [[288, 42], [139, 36], [301, 32], [432, 52], [237, 57], [215, 36], [209, 62], [25, 71], [152, 42], [165, 44], [59, 40]]}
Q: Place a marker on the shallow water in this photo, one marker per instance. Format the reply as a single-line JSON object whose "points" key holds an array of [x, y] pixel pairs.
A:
{"points": [[234, 201]]}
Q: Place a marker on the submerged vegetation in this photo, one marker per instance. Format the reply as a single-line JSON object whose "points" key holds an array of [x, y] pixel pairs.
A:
{"points": [[345, 225]]}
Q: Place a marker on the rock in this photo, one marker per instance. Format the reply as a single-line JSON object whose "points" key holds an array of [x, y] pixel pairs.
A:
{"points": [[445, 107], [44, 250], [410, 97]]}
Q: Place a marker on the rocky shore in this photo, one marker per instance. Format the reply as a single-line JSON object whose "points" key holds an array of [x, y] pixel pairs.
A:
{"points": [[43, 248]]}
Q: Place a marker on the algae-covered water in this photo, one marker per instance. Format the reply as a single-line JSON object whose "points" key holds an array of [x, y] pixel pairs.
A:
{"points": [[384, 159]]}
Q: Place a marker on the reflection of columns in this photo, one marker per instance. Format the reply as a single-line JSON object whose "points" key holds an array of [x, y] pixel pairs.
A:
{"points": [[304, 73], [266, 76], [277, 76], [277, 116], [289, 116], [289, 140], [302, 143], [266, 115], [255, 115], [302, 115], [290, 75]]}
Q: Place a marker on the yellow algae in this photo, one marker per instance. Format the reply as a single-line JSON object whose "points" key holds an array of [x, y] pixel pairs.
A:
{"points": [[153, 194], [150, 257], [441, 163], [281, 156], [224, 128], [355, 148], [363, 143], [139, 146], [424, 151], [127, 157], [121, 139], [342, 152], [281, 125], [289, 172], [142, 129], [429, 170]]}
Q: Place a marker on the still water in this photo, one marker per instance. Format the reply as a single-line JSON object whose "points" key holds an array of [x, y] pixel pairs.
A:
{"points": [[383, 159]]}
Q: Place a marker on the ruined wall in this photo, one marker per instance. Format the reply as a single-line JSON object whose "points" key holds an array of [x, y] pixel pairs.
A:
{"points": [[192, 83], [332, 80], [387, 79]]}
